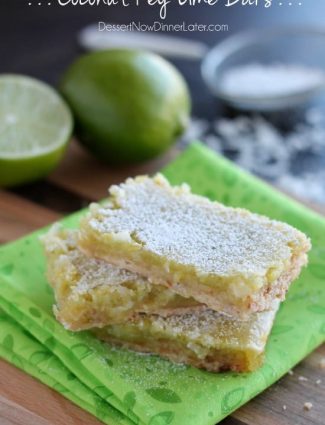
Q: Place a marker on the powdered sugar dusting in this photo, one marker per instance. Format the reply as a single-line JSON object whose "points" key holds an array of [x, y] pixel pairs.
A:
{"points": [[201, 331], [97, 273], [212, 328], [192, 230], [91, 272]]}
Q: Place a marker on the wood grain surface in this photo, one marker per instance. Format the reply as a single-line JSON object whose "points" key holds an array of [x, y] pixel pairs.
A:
{"points": [[19, 216], [25, 401], [75, 173]]}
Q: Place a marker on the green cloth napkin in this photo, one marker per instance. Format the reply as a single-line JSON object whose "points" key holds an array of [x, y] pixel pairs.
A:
{"points": [[20, 348], [147, 389]]}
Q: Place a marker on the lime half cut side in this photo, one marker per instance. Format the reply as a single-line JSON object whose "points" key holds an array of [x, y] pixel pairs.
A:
{"points": [[35, 126]]}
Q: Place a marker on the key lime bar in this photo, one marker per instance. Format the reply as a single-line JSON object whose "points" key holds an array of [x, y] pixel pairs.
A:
{"points": [[91, 292], [233, 261], [204, 339]]}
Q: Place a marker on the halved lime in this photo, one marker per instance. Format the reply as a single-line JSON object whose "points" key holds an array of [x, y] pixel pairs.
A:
{"points": [[35, 126]]}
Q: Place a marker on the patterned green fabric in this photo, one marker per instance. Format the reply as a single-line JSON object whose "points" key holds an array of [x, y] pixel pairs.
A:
{"points": [[20, 348], [121, 387]]}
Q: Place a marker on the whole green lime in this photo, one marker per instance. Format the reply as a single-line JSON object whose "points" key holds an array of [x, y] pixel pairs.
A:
{"points": [[129, 105]]}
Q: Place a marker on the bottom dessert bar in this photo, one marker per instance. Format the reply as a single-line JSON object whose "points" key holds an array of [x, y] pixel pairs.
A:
{"points": [[204, 339], [91, 292]]}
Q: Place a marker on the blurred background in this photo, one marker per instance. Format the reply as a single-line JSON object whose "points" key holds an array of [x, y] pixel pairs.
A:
{"points": [[41, 41], [285, 146]]}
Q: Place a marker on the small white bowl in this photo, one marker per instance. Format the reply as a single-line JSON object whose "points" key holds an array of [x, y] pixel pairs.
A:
{"points": [[299, 48]]}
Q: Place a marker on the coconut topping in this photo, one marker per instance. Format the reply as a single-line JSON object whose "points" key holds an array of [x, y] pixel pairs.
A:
{"points": [[91, 272], [211, 329], [191, 230]]}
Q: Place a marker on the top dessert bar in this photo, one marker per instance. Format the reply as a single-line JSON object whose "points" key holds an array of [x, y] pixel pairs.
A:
{"points": [[234, 261]]}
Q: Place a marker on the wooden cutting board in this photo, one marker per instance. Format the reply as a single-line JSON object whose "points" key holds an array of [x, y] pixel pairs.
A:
{"points": [[25, 401]]}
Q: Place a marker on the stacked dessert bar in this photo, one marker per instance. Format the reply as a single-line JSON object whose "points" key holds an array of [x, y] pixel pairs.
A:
{"points": [[158, 269]]}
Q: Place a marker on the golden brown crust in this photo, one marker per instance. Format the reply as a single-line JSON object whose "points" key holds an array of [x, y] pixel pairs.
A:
{"points": [[278, 290]]}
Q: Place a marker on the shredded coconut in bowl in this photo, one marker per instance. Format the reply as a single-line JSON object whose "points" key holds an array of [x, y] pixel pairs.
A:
{"points": [[260, 81]]}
